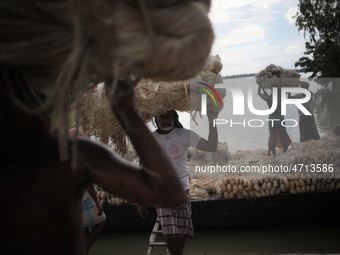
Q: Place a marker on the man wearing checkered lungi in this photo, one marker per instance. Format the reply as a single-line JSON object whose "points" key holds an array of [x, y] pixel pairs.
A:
{"points": [[175, 140]]}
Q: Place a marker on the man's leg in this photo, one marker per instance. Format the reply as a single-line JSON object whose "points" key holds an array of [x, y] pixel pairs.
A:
{"points": [[271, 142], [176, 245]]}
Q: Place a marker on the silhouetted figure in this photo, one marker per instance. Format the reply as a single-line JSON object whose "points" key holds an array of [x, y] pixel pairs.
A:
{"points": [[278, 136], [307, 127]]}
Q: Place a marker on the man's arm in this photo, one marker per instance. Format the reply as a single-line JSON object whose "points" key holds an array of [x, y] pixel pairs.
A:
{"points": [[263, 94], [210, 145], [155, 182]]}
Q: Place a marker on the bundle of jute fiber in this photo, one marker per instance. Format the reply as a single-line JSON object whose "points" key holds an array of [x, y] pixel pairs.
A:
{"points": [[204, 188], [182, 95], [55, 45], [241, 188], [155, 98], [96, 118], [198, 194], [266, 77], [152, 98], [201, 188], [210, 73], [155, 42], [105, 197], [213, 64], [263, 187]]}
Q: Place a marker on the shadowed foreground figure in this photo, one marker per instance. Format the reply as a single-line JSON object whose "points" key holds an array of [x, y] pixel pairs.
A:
{"points": [[42, 195], [47, 49]]}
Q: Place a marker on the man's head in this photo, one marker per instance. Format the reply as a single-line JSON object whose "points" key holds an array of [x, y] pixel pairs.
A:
{"points": [[168, 120]]}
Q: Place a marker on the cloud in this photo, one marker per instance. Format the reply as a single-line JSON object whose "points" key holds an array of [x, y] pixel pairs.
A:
{"points": [[296, 47], [290, 13], [252, 34], [240, 36], [223, 4]]}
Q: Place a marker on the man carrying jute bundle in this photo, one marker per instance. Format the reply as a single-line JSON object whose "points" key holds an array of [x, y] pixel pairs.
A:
{"points": [[278, 136], [175, 140]]}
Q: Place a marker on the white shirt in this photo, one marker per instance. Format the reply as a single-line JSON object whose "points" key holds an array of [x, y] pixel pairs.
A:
{"points": [[176, 144]]}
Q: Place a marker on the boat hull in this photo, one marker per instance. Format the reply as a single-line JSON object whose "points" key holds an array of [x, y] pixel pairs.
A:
{"points": [[322, 207]]}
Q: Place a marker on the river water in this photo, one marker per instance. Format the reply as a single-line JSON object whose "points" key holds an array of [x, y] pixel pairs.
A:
{"points": [[320, 239], [284, 240]]}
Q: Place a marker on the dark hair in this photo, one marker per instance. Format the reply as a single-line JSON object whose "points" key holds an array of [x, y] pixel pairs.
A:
{"points": [[177, 124]]}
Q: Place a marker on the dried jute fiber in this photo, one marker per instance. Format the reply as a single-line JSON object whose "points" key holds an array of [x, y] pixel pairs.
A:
{"points": [[266, 77], [152, 98], [57, 45]]}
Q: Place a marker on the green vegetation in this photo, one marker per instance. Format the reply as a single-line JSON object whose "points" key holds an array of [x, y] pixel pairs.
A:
{"points": [[321, 21]]}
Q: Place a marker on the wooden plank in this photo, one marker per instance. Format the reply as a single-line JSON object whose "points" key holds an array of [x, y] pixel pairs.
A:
{"points": [[155, 231], [158, 232]]}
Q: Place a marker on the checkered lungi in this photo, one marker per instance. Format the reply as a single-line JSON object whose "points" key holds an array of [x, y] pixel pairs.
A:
{"points": [[176, 222], [90, 213]]}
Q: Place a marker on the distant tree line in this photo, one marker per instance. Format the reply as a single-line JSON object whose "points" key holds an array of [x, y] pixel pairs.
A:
{"points": [[301, 70], [239, 76]]}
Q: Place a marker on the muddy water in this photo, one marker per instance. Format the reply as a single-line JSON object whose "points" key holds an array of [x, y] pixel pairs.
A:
{"points": [[289, 240]]}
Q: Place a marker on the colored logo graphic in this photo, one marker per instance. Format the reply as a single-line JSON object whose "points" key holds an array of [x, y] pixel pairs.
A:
{"points": [[211, 91]]}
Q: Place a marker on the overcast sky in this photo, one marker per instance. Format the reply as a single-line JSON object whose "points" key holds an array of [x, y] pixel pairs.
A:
{"points": [[251, 34]]}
